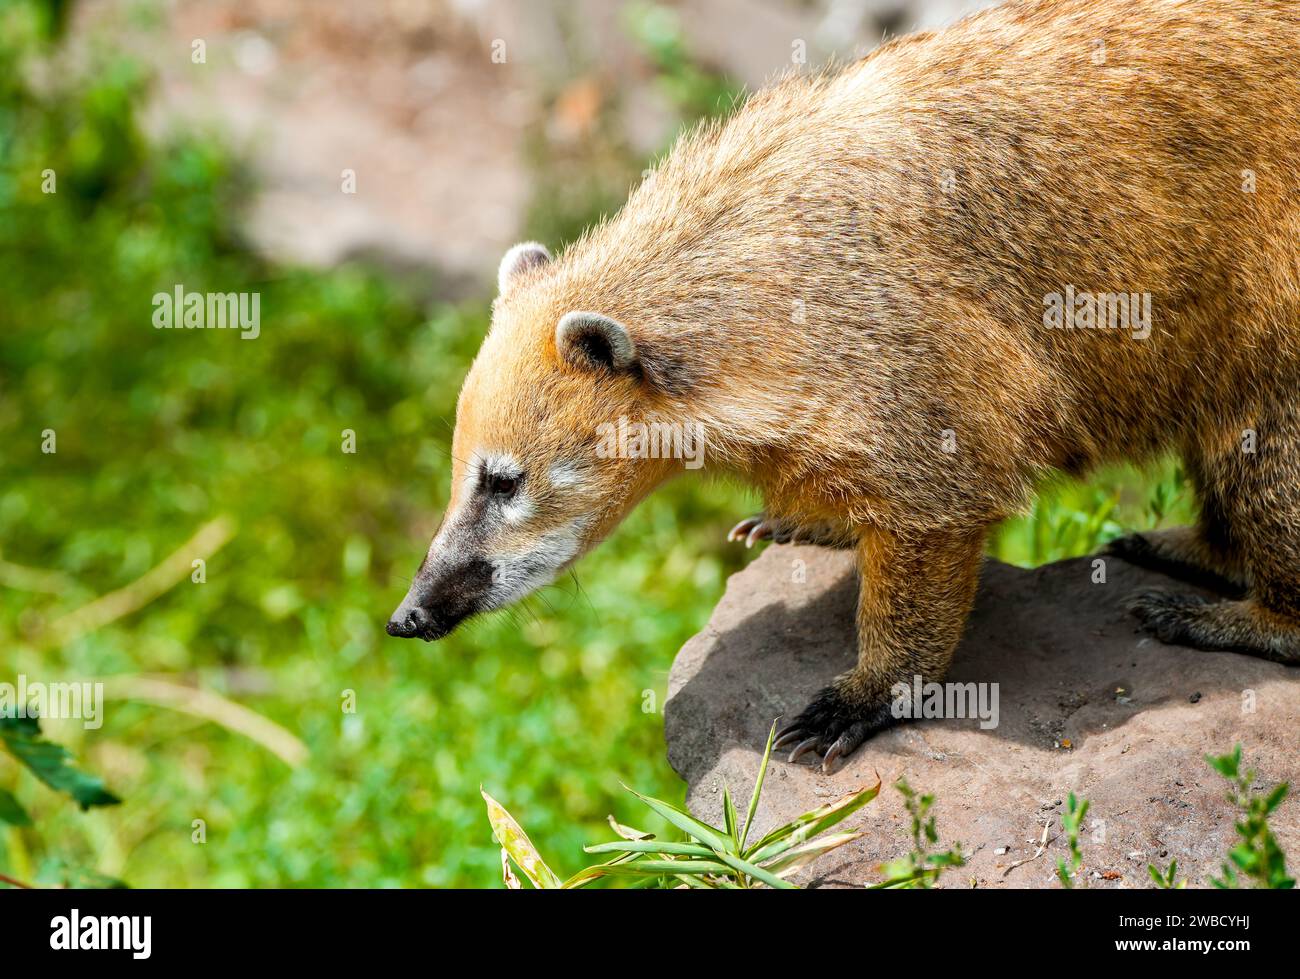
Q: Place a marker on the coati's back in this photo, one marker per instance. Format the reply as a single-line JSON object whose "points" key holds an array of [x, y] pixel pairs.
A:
{"points": [[1117, 148], [875, 247]]}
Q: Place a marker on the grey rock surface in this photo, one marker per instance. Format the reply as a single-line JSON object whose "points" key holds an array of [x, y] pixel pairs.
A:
{"points": [[1087, 704]]}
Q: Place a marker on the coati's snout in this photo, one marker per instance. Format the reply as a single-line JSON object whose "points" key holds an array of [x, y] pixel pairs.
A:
{"points": [[533, 484], [502, 537], [441, 597]]}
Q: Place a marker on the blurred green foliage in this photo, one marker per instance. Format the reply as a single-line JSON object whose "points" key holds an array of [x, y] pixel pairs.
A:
{"points": [[159, 432], [696, 92]]}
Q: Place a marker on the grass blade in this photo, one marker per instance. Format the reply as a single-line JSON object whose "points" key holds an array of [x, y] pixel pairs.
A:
{"points": [[628, 832], [660, 868], [647, 846], [758, 786], [710, 836], [809, 825], [801, 856], [758, 873], [730, 819]]}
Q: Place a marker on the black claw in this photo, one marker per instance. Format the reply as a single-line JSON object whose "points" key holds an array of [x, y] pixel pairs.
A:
{"points": [[802, 748], [835, 721], [828, 761], [1156, 600], [846, 744], [787, 735]]}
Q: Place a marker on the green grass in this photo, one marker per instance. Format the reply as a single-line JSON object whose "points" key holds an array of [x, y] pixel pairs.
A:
{"points": [[159, 432], [1072, 518]]}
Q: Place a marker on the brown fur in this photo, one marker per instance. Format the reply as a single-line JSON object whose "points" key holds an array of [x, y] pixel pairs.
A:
{"points": [[855, 263]]}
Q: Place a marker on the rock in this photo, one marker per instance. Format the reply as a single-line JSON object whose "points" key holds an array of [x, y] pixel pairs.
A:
{"points": [[1087, 704]]}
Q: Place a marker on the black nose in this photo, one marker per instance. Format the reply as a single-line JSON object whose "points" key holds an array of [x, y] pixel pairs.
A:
{"points": [[406, 624]]}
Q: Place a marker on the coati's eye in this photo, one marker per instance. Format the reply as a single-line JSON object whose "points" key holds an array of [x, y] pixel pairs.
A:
{"points": [[502, 487]]}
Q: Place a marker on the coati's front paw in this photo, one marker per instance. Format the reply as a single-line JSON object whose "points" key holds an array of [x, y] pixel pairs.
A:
{"points": [[751, 530], [1171, 618], [762, 527], [834, 725]]}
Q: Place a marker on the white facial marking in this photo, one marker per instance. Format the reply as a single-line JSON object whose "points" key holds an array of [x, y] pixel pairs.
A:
{"points": [[500, 464], [566, 475], [517, 575], [519, 509], [479, 465]]}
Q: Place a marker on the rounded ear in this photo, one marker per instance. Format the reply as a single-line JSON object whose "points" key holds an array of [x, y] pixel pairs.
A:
{"points": [[593, 340], [521, 258]]}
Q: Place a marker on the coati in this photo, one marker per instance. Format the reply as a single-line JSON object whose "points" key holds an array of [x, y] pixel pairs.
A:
{"points": [[854, 285]]}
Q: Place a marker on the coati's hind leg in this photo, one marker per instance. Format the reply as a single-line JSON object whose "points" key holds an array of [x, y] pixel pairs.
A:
{"points": [[1205, 554], [1262, 494], [914, 598], [779, 531]]}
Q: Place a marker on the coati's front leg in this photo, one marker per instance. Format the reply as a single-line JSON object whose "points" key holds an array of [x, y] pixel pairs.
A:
{"points": [[915, 595]]}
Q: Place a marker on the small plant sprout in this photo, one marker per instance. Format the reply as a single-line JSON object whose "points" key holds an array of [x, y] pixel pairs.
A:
{"points": [[1167, 881], [1071, 821], [920, 869], [1256, 860], [710, 857]]}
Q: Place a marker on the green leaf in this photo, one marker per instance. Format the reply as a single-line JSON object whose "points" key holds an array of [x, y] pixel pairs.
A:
{"points": [[516, 843], [1063, 873], [649, 846], [1275, 797], [801, 856], [585, 876], [731, 819], [628, 832], [1226, 765], [758, 873], [899, 876], [658, 868], [49, 762], [11, 811], [19, 727], [810, 824], [1244, 857], [952, 858], [710, 836], [758, 786], [698, 883]]}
